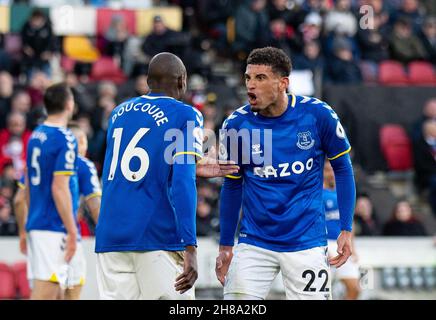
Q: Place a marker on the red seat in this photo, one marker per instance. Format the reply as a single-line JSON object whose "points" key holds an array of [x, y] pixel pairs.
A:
{"points": [[106, 69], [392, 73], [396, 147], [20, 272], [104, 18], [421, 72], [7, 282]]}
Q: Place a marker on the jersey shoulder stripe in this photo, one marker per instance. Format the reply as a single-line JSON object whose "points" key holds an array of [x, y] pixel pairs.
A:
{"points": [[304, 100], [191, 112], [316, 106], [68, 134], [236, 117]]}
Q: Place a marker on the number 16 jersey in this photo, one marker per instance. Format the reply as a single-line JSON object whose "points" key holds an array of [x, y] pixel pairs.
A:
{"points": [[145, 135]]}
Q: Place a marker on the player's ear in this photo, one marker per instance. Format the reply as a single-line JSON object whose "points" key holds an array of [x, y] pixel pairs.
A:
{"points": [[181, 83], [284, 83]]}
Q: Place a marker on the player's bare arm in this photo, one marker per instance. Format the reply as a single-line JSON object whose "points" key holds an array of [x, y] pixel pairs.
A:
{"points": [[93, 205], [63, 201], [20, 209]]}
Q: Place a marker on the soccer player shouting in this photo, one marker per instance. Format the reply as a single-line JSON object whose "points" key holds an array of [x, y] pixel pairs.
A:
{"points": [[280, 142]]}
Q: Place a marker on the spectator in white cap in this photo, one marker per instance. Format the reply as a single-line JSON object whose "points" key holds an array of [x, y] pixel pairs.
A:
{"points": [[311, 27], [341, 19]]}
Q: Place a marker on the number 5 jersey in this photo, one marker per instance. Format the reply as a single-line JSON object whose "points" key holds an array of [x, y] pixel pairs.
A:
{"points": [[52, 150]]}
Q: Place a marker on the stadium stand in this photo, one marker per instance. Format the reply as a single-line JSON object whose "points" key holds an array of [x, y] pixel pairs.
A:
{"points": [[392, 73], [106, 69], [421, 73], [20, 273], [396, 147]]}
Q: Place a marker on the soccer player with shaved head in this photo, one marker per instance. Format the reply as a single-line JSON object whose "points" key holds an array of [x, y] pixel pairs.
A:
{"points": [[146, 233]]}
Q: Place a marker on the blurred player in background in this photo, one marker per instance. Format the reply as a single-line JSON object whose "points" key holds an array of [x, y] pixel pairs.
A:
{"points": [[283, 224], [348, 273], [89, 187], [146, 234], [53, 242]]}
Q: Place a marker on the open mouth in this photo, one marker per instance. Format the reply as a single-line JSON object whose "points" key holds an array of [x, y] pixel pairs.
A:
{"points": [[252, 99]]}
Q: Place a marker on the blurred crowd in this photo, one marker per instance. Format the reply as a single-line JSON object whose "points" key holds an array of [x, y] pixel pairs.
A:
{"points": [[354, 36]]}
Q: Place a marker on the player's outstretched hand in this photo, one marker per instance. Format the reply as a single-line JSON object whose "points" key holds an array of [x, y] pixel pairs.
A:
{"points": [[186, 280], [23, 243], [223, 260], [210, 166], [345, 249], [70, 246]]}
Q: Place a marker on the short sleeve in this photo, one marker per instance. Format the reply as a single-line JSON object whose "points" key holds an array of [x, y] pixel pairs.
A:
{"points": [[189, 141], [65, 162], [333, 137], [22, 183], [89, 185]]}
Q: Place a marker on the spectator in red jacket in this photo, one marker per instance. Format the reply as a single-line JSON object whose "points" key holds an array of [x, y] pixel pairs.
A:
{"points": [[13, 143]]}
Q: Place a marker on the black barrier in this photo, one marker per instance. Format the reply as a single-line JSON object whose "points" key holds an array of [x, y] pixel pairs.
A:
{"points": [[364, 109]]}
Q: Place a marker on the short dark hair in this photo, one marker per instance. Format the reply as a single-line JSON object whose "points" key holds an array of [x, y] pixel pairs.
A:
{"points": [[276, 58], [56, 96]]}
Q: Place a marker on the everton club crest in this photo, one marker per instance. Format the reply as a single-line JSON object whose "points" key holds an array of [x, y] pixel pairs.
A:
{"points": [[305, 140]]}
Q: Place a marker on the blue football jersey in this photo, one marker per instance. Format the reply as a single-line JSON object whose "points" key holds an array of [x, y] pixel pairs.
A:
{"points": [[145, 135], [51, 151], [332, 217], [281, 160], [89, 185]]}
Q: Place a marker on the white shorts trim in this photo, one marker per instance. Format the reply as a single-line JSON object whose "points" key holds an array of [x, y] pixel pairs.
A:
{"points": [[46, 259]]}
